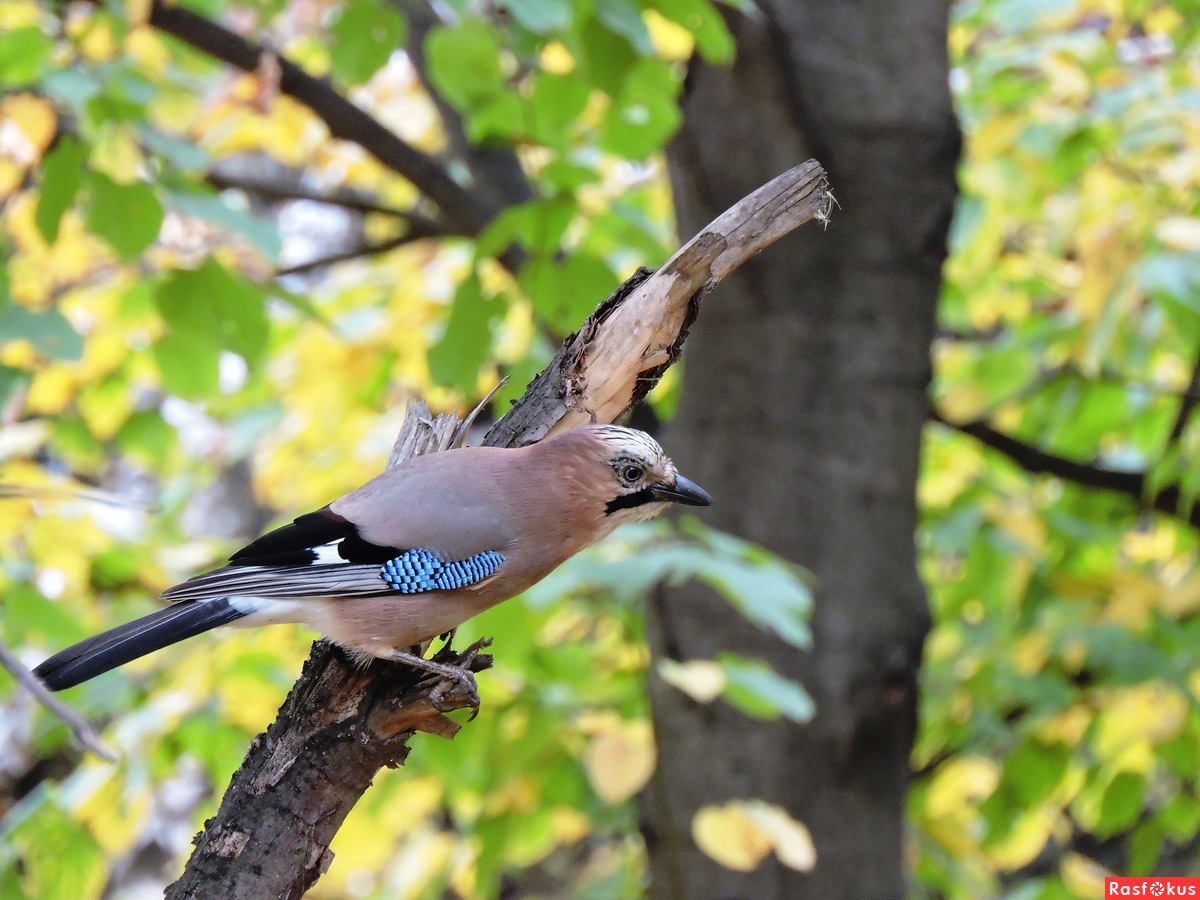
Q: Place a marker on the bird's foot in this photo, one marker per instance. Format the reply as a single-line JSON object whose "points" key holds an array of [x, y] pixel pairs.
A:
{"points": [[450, 676]]}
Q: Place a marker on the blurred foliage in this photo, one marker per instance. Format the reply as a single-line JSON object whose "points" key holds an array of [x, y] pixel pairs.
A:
{"points": [[1060, 733], [149, 348]]}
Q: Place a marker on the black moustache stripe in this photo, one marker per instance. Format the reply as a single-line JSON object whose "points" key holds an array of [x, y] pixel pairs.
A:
{"points": [[630, 501]]}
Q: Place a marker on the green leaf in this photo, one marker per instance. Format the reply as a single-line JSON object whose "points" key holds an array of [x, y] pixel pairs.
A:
{"points": [[116, 566], [624, 17], [145, 435], [1034, 770], [456, 359], [606, 57], [762, 587], [1122, 803], [556, 102], [189, 365], [567, 176], [70, 87], [178, 153], [1180, 818], [500, 116], [565, 292], [464, 63], [61, 860], [1145, 848], [364, 38], [62, 176], [759, 691], [215, 307], [11, 381], [541, 16], [538, 226], [24, 55], [127, 216], [645, 115], [75, 441], [47, 330], [26, 607]]}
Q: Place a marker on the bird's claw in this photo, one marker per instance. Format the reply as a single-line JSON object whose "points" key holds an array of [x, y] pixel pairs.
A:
{"points": [[449, 675], [463, 677]]}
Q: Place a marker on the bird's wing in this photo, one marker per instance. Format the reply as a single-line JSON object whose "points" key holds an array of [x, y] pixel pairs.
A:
{"points": [[422, 526]]}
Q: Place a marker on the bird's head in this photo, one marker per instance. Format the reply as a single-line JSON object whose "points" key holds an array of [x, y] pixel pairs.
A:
{"points": [[639, 479]]}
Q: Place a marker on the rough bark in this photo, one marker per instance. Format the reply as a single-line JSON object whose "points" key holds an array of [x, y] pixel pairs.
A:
{"points": [[802, 409], [340, 725]]}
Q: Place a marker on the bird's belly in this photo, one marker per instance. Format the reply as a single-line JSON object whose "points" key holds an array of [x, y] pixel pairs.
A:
{"points": [[377, 625]]}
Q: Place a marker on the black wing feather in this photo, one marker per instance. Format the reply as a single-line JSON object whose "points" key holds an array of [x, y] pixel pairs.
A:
{"points": [[291, 545]]}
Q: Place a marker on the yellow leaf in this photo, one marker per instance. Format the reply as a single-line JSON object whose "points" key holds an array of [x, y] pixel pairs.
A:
{"points": [[1162, 20], [34, 118], [962, 402], [1025, 840], [95, 37], [620, 760], [791, 839], [143, 46], [728, 835], [568, 825], [701, 679], [1083, 877], [959, 781], [1030, 653], [950, 472], [1147, 713], [1068, 727], [1134, 598], [1154, 545], [114, 813], [741, 833], [19, 14], [1022, 523], [1067, 79], [557, 59], [670, 41], [137, 12]]}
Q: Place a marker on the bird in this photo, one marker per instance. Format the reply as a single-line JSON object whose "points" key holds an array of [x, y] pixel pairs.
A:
{"points": [[414, 552]]}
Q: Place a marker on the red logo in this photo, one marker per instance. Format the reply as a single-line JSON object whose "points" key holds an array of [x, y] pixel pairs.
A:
{"points": [[1152, 887]]}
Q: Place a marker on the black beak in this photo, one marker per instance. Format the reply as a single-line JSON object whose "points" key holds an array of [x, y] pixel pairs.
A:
{"points": [[683, 491]]}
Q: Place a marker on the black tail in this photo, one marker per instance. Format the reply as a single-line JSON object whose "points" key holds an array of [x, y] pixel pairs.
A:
{"points": [[161, 628]]}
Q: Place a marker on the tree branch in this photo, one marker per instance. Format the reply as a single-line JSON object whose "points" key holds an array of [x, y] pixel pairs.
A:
{"points": [[496, 171], [340, 724], [1186, 405], [343, 119], [79, 727], [345, 199], [1038, 462], [409, 237]]}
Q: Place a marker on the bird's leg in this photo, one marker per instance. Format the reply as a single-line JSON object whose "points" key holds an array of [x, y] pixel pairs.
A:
{"points": [[457, 674], [448, 637]]}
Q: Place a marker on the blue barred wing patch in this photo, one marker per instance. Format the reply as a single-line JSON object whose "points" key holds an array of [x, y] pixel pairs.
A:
{"points": [[417, 571]]}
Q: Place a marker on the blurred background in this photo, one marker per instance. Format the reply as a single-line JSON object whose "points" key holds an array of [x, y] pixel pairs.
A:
{"points": [[939, 636]]}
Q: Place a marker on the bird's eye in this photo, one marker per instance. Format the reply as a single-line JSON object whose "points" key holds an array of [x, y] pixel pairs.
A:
{"points": [[631, 473]]}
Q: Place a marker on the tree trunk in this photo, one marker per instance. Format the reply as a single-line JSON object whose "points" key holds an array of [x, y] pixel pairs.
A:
{"points": [[803, 402]]}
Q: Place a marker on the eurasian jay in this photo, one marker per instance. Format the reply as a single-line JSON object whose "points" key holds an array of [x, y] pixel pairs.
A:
{"points": [[414, 552]]}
